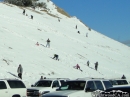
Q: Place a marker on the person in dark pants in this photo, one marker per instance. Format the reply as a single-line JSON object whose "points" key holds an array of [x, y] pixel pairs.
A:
{"points": [[123, 77], [20, 71], [76, 26], [79, 32], [31, 16], [24, 12], [88, 63], [56, 56], [96, 65]]}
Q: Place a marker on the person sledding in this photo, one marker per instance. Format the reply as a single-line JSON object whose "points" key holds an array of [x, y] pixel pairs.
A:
{"points": [[37, 44], [77, 67]]}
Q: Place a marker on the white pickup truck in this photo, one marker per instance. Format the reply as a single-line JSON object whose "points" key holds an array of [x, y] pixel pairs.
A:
{"points": [[80, 88], [12, 88], [45, 86]]}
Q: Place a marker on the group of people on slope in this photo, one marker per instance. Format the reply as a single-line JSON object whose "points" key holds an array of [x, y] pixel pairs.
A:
{"points": [[27, 14]]}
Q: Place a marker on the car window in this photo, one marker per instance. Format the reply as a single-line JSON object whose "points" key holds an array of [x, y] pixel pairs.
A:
{"points": [[113, 82], [2, 85], [43, 83], [122, 82], [73, 85], [90, 84], [55, 84], [16, 84], [107, 84], [62, 82], [99, 85]]}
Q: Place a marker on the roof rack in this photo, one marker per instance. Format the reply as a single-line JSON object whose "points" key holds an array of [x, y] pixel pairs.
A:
{"points": [[10, 79], [58, 78], [88, 78]]}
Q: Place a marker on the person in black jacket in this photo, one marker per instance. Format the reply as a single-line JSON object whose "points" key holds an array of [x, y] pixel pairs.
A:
{"points": [[24, 12], [56, 56], [96, 65], [123, 77]]}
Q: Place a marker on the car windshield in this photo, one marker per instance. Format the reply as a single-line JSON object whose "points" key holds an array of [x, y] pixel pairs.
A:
{"points": [[43, 83], [73, 85]]}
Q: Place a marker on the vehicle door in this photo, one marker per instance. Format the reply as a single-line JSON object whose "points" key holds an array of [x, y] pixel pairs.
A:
{"points": [[90, 87], [17, 87], [55, 85], [3, 89]]}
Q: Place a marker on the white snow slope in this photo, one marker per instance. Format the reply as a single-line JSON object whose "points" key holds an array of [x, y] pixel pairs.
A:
{"points": [[19, 34]]}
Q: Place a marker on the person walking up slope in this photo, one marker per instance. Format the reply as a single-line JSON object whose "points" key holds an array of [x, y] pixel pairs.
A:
{"points": [[48, 43], [20, 71], [96, 65]]}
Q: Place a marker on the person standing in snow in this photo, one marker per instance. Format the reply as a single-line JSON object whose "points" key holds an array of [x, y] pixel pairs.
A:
{"points": [[76, 26], [41, 78], [88, 63], [20, 71], [24, 12], [96, 65], [48, 43], [86, 34], [123, 77]]}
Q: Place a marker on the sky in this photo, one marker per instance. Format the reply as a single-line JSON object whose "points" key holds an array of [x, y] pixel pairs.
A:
{"points": [[19, 35], [109, 17]]}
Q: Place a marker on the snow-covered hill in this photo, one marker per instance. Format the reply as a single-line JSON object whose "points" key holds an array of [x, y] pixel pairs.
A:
{"points": [[19, 34]]}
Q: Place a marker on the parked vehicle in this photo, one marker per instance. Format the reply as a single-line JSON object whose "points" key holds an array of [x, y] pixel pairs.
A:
{"points": [[82, 87], [45, 86], [12, 88]]}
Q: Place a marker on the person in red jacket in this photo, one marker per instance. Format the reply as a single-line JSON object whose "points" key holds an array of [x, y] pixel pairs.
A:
{"points": [[78, 67], [37, 44]]}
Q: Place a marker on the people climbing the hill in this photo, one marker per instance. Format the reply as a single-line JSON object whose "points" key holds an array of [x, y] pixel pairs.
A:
{"points": [[59, 19], [77, 67], [37, 44], [79, 32], [123, 77], [86, 34], [96, 65], [87, 63], [20, 71], [56, 56], [76, 26], [23, 11], [41, 78], [31, 16], [48, 43]]}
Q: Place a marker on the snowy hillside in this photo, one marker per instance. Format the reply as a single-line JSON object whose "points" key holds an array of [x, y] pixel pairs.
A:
{"points": [[19, 35]]}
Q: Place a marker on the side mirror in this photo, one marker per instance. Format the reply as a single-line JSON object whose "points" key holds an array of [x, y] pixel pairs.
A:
{"points": [[57, 89]]}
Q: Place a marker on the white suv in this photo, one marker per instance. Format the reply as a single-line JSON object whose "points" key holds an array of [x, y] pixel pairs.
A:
{"points": [[12, 88], [80, 88], [45, 86]]}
